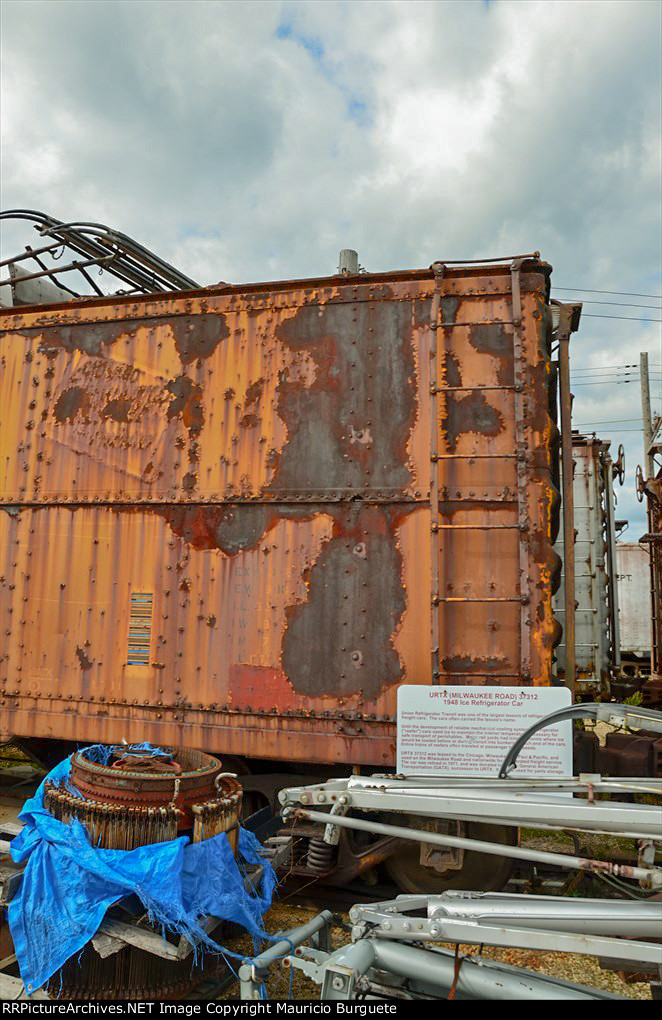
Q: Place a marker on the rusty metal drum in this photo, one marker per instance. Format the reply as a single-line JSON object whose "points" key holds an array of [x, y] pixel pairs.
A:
{"points": [[188, 778]]}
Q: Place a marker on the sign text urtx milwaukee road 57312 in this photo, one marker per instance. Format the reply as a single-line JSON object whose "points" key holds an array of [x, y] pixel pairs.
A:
{"points": [[466, 731]]}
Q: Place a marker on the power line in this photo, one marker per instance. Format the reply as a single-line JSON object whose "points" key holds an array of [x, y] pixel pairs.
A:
{"points": [[609, 379], [613, 376], [617, 293], [605, 368], [584, 380], [607, 382], [631, 318], [621, 304], [605, 371], [630, 364], [610, 368], [607, 421]]}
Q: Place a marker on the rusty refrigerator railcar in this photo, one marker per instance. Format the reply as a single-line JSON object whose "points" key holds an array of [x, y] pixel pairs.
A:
{"points": [[237, 519], [597, 645]]}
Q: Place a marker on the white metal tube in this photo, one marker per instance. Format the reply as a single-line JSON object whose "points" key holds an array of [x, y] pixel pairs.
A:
{"points": [[478, 978], [653, 876]]}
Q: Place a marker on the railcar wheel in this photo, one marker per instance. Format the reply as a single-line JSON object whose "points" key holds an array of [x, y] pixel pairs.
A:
{"points": [[481, 872]]}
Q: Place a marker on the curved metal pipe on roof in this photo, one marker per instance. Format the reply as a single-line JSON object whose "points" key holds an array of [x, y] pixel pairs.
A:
{"points": [[134, 263]]}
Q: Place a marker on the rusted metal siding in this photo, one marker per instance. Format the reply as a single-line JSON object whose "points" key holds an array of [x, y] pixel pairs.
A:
{"points": [[319, 495]]}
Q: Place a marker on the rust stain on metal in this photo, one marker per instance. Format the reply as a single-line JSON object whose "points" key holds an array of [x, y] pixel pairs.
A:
{"points": [[118, 409], [364, 373], [72, 402], [492, 338], [85, 663], [84, 337], [467, 664], [187, 403], [353, 608], [197, 336], [471, 413]]}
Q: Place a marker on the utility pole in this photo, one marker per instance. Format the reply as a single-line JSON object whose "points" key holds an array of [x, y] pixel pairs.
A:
{"points": [[649, 466], [569, 316], [567, 475]]}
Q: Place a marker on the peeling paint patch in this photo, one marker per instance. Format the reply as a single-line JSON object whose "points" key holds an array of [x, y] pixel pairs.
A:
{"points": [[467, 664], [470, 414], [187, 403], [377, 376], [232, 529], [86, 337], [85, 663], [448, 307], [260, 687], [491, 338], [254, 392], [117, 409], [453, 374], [198, 336], [354, 606], [70, 403]]}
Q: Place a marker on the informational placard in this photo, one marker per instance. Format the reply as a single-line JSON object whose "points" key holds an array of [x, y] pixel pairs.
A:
{"points": [[466, 731]]}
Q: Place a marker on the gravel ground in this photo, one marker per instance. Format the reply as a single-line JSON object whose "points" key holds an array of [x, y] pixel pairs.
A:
{"points": [[580, 969]]}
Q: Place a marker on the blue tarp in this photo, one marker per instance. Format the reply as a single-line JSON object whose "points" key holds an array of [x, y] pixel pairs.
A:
{"points": [[69, 884]]}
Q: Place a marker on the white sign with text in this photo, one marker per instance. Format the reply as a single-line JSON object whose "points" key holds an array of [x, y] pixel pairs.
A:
{"points": [[466, 731]]}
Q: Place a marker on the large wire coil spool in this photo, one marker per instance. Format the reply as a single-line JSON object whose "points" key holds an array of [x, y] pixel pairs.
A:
{"points": [[130, 778], [129, 973], [115, 826], [135, 801]]}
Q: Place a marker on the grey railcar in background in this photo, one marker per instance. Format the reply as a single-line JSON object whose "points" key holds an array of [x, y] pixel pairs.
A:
{"points": [[597, 639]]}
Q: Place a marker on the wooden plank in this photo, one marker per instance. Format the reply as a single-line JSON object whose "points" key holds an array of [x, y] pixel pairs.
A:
{"points": [[11, 828], [106, 945], [12, 989], [148, 941], [9, 882]]}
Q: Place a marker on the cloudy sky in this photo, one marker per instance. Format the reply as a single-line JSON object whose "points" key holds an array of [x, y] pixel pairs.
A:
{"points": [[251, 141]]}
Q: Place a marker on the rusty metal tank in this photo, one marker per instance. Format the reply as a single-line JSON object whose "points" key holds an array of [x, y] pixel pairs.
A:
{"points": [[240, 518]]}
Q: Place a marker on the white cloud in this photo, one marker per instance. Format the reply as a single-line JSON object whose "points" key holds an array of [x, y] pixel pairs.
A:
{"points": [[245, 141]]}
